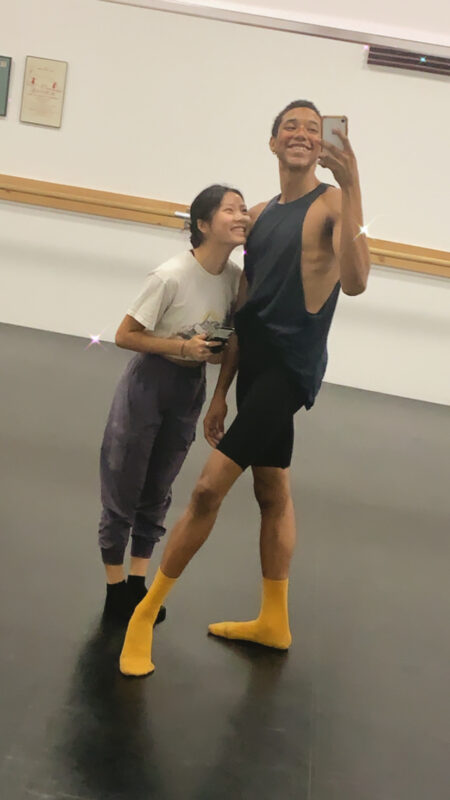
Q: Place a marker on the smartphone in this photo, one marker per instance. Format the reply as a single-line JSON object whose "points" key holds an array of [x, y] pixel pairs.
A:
{"points": [[220, 338], [221, 334], [328, 123]]}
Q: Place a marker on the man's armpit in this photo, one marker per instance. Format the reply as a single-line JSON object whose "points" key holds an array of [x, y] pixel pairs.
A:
{"points": [[333, 201]]}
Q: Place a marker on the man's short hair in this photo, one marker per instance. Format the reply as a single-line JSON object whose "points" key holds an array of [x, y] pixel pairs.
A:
{"points": [[294, 104]]}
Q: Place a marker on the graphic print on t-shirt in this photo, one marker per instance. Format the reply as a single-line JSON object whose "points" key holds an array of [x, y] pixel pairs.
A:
{"points": [[209, 326]]}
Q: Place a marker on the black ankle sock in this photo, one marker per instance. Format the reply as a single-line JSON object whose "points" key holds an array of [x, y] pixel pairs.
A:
{"points": [[115, 588], [136, 580], [122, 598], [117, 599], [136, 588]]}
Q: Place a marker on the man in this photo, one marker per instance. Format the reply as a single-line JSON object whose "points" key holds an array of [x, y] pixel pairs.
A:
{"points": [[304, 246]]}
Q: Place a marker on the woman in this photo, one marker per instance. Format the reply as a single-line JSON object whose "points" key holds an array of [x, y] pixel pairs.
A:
{"points": [[154, 413]]}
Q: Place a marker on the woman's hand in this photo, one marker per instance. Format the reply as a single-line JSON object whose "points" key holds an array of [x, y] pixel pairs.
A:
{"points": [[197, 348]]}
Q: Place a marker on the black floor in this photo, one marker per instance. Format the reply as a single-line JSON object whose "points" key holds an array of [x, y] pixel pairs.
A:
{"points": [[360, 707]]}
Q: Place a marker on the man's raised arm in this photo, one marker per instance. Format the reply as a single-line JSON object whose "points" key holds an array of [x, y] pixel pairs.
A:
{"points": [[349, 240]]}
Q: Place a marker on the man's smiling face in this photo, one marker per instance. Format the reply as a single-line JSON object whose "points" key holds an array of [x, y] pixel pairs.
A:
{"points": [[297, 143]]}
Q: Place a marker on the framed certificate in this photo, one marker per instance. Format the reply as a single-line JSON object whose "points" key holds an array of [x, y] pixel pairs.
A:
{"points": [[43, 91], [5, 70]]}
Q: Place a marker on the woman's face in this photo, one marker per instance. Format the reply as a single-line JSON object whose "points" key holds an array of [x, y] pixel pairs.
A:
{"points": [[230, 222]]}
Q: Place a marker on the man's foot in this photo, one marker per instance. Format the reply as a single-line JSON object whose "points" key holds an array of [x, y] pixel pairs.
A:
{"points": [[254, 631], [137, 591], [135, 658]]}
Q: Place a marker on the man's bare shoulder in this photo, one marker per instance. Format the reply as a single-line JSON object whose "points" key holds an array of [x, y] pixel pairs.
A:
{"points": [[333, 201], [255, 211]]}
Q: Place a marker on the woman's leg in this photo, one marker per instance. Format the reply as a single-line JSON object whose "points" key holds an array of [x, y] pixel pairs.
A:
{"points": [[169, 452], [172, 444], [131, 430], [120, 493], [181, 407]]}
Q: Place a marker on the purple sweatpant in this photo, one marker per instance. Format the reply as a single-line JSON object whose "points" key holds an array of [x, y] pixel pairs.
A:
{"points": [[150, 427]]}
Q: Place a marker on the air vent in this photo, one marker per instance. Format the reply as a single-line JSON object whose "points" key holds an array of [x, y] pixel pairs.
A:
{"points": [[404, 59]]}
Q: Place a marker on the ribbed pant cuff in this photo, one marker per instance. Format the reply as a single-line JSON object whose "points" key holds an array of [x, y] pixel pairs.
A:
{"points": [[140, 550], [113, 555]]}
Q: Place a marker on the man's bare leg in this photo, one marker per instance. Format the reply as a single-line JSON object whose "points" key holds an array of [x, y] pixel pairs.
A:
{"points": [[137, 588], [271, 628], [188, 535], [194, 527], [278, 534]]}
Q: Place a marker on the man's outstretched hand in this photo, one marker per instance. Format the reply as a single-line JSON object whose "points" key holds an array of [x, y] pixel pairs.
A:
{"points": [[341, 162], [213, 424]]}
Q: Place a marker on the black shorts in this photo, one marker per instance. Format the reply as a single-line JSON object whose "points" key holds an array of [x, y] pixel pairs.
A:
{"points": [[262, 434]]}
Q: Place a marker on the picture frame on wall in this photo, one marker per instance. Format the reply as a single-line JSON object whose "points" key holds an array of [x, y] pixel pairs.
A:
{"points": [[5, 72], [44, 86]]}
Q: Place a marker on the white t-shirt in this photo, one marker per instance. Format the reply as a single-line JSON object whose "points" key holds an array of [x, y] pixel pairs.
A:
{"points": [[180, 298]]}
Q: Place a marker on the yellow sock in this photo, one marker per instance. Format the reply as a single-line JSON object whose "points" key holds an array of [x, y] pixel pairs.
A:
{"points": [[136, 656], [271, 628]]}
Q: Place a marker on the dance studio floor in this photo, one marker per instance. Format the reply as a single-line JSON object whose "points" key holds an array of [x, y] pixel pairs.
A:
{"points": [[359, 708]]}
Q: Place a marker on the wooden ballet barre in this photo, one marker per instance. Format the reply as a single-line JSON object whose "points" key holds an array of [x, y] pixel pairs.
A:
{"points": [[174, 215], [93, 201], [130, 206], [409, 257], [440, 262]]}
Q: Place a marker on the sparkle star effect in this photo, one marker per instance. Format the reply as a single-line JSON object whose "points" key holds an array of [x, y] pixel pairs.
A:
{"points": [[94, 340], [364, 229]]}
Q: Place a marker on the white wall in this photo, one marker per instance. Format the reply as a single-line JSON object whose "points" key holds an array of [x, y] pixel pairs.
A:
{"points": [[424, 22], [162, 105]]}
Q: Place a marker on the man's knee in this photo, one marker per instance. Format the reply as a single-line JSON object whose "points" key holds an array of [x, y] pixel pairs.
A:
{"points": [[206, 498], [272, 489]]}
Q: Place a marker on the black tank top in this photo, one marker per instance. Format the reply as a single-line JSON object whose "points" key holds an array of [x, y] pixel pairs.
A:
{"points": [[276, 302]]}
